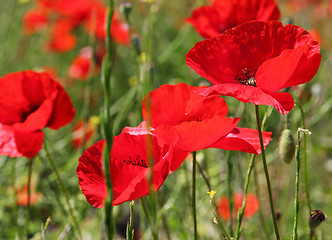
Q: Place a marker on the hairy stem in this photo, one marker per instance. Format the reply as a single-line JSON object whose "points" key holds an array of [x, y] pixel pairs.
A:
{"points": [[266, 171]]}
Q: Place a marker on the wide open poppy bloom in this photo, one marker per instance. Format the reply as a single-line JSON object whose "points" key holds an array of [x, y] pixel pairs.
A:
{"points": [[129, 168], [29, 102], [252, 205], [210, 21], [197, 122], [254, 61]]}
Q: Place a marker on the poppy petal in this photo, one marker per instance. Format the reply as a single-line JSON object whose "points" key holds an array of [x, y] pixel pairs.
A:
{"points": [[283, 102], [7, 142], [243, 139], [29, 143]]}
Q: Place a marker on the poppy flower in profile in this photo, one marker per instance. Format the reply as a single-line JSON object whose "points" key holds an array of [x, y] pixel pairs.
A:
{"points": [[252, 205], [96, 23], [80, 66], [129, 167], [29, 102], [79, 137], [253, 62], [62, 38], [198, 122], [210, 21], [34, 21]]}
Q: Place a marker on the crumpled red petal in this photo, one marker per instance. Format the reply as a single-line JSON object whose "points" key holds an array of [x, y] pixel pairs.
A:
{"points": [[243, 139], [282, 101]]}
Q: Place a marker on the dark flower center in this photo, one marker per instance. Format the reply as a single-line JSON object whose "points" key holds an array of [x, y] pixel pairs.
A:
{"points": [[246, 77], [136, 161], [25, 115]]}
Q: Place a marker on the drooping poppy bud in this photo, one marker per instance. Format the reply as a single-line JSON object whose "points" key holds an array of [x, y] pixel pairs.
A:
{"points": [[316, 217]]}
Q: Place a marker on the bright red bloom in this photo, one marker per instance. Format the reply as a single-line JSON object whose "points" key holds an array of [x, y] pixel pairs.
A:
{"points": [[252, 205], [29, 102], [34, 20], [78, 133], [254, 61], [22, 196], [62, 39], [210, 21], [96, 23], [129, 168], [196, 122], [80, 66]]}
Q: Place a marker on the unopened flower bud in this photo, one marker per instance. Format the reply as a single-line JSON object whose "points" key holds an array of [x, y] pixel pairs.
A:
{"points": [[126, 8], [315, 219], [286, 146]]}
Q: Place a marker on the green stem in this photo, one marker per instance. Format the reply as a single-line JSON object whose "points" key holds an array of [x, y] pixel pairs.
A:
{"points": [[249, 171], [13, 182], [266, 171], [193, 199], [304, 157], [130, 226], [27, 213], [297, 184], [108, 125], [217, 216], [260, 212], [229, 190], [146, 213], [244, 201], [69, 209], [204, 176]]}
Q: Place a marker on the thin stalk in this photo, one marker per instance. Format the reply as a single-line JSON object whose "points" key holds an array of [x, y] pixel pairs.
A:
{"points": [[27, 212], [146, 213], [13, 183], [249, 171], [244, 201], [217, 216], [204, 176], [266, 171], [304, 159], [64, 192], [193, 199], [297, 184], [108, 125], [229, 190], [260, 212], [130, 226], [212, 200]]}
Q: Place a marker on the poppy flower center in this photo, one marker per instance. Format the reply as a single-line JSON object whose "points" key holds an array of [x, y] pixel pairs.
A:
{"points": [[246, 77], [136, 161]]}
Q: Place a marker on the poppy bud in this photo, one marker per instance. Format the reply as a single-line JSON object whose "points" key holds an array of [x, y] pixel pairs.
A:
{"points": [[315, 219], [286, 146], [126, 8]]}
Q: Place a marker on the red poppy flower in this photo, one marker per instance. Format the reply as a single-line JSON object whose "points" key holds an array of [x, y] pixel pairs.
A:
{"points": [[62, 39], [29, 102], [80, 66], [196, 122], [252, 205], [210, 21], [129, 168], [96, 23], [254, 61], [22, 196], [78, 133], [34, 20]]}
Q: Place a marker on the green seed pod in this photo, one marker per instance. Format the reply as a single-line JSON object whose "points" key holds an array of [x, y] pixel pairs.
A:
{"points": [[316, 217], [286, 146]]}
